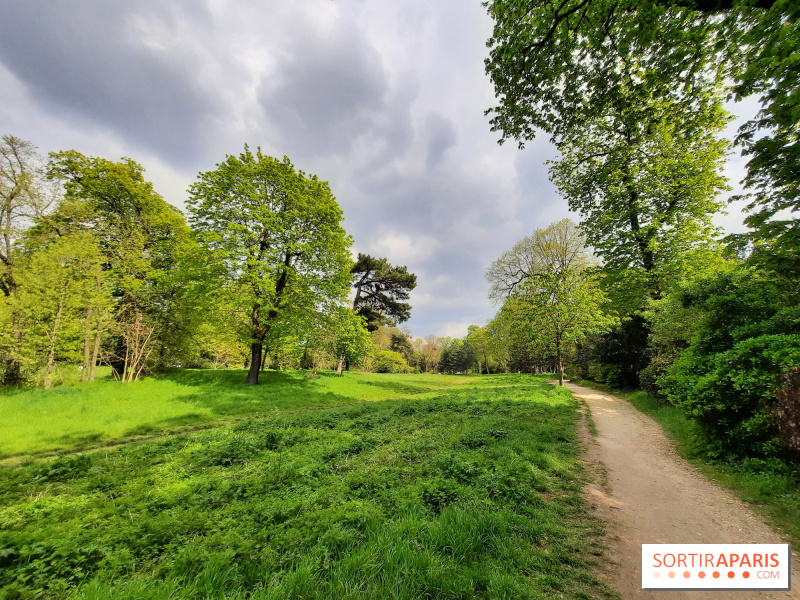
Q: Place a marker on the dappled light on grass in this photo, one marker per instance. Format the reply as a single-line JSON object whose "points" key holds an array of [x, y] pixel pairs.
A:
{"points": [[82, 415]]}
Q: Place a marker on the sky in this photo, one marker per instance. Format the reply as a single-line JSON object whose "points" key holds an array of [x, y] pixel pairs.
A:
{"points": [[384, 99]]}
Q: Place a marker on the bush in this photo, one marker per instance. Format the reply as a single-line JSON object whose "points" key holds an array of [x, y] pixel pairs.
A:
{"points": [[387, 361], [728, 380]]}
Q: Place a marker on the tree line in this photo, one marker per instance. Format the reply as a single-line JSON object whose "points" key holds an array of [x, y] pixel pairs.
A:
{"points": [[631, 93], [98, 269]]}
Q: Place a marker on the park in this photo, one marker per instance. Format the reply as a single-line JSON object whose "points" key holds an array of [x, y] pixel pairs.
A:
{"points": [[283, 316]]}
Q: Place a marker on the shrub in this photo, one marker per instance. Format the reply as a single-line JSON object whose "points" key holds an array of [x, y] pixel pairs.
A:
{"points": [[387, 361]]}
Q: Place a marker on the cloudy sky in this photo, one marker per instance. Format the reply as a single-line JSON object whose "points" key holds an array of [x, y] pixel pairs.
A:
{"points": [[382, 98]]}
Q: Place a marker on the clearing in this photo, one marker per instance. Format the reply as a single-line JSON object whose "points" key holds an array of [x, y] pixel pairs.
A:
{"points": [[446, 488]]}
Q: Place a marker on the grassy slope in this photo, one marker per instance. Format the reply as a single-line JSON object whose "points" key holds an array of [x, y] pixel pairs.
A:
{"points": [[80, 415], [772, 488], [460, 493]]}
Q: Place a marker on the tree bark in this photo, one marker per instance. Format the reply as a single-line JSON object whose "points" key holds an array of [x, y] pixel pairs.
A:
{"points": [[255, 363], [51, 354], [560, 363], [96, 350], [87, 342], [341, 364]]}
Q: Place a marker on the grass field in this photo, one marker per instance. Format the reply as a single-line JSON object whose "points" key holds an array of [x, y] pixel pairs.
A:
{"points": [[771, 486], [367, 487], [84, 415]]}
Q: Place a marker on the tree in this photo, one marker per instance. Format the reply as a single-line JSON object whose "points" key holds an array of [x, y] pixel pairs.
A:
{"points": [[646, 192], [559, 247], [143, 240], [57, 301], [351, 339], [380, 291], [387, 361], [276, 234], [557, 63], [431, 353], [561, 310], [24, 195]]}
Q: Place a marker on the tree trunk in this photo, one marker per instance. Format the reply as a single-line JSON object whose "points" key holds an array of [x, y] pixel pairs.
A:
{"points": [[263, 361], [87, 342], [51, 354], [341, 364], [560, 364], [96, 350], [255, 363]]}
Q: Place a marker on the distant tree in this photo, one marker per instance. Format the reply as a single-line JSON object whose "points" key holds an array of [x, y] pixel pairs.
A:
{"points": [[387, 361], [457, 357], [351, 341], [557, 248], [561, 310], [380, 291], [277, 234], [401, 344], [478, 340]]}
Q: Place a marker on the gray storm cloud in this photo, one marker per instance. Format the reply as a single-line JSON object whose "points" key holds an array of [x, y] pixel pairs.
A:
{"points": [[384, 100]]}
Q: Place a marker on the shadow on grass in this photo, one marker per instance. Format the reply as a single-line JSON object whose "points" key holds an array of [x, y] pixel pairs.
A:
{"points": [[225, 393]]}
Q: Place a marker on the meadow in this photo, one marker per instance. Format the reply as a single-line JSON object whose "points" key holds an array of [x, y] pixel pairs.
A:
{"points": [[363, 487], [79, 415]]}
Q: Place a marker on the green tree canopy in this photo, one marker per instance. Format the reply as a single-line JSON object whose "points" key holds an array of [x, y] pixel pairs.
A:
{"points": [[276, 233], [557, 64], [142, 239], [559, 247]]}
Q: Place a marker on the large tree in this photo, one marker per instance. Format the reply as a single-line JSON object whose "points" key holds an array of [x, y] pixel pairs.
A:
{"points": [[558, 63], [142, 239], [646, 189], [276, 233], [380, 291]]}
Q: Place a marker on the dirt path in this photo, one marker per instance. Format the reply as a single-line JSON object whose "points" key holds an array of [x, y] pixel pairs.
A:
{"points": [[653, 496]]}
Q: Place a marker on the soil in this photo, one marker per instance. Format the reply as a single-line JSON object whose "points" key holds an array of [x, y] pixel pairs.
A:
{"points": [[650, 495]]}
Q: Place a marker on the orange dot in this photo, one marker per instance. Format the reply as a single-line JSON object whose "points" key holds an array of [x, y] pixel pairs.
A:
{"points": [[746, 574], [672, 574], [686, 574], [656, 575], [731, 574], [715, 574], [702, 574]]}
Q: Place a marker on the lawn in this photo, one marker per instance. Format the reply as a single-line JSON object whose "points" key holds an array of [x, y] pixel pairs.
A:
{"points": [[84, 415], [416, 487]]}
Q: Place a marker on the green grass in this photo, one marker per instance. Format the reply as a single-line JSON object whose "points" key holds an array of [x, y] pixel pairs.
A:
{"points": [[772, 487], [467, 492], [83, 415]]}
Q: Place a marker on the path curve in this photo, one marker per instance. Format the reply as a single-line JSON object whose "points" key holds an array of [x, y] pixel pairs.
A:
{"points": [[653, 496]]}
